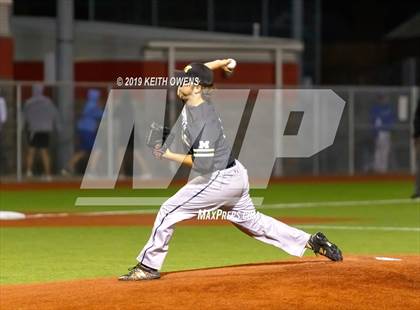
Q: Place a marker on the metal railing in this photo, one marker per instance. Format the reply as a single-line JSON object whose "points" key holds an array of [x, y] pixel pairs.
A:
{"points": [[353, 151]]}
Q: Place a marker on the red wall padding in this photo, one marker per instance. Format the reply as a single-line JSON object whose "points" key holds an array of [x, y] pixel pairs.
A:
{"points": [[6, 58], [108, 71]]}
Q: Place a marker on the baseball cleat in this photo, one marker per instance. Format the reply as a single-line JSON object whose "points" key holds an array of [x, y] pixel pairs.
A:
{"points": [[320, 245], [140, 272]]}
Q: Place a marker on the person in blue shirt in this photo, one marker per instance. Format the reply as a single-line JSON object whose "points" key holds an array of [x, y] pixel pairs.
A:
{"points": [[383, 119], [87, 127]]}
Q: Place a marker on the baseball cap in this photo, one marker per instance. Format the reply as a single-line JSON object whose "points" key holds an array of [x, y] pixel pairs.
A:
{"points": [[197, 70]]}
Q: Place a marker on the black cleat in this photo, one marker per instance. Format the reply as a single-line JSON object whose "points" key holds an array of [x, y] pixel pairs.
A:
{"points": [[320, 245], [140, 272]]}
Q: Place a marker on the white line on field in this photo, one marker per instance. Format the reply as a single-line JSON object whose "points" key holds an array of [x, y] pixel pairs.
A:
{"points": [[122, 212], [42, 215], [153, 211], [132, 201], [346, 203], [379, 228], [120, 201], [156, 201]]}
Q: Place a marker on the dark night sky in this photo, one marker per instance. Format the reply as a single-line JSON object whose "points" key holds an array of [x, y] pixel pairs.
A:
{"points": [[356, 20], [364, 20]]}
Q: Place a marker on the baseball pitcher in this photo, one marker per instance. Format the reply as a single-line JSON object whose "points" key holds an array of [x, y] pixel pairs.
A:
{"points": [[222, 182]]}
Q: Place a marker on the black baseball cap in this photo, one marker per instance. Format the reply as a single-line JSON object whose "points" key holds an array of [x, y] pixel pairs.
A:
{"points": [[197, 70]]}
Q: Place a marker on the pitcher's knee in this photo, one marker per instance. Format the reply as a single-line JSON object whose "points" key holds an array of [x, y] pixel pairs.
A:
{"points": [[167, 207]]}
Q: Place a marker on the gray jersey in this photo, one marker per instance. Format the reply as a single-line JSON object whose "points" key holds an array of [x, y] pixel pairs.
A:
{"points": [[203, 137]]}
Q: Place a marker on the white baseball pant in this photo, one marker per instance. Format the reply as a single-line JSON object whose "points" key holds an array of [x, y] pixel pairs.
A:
{"points": [[382, 150], [227, 189]]}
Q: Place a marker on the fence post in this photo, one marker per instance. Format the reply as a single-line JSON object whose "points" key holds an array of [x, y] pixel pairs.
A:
{"points": [[317, 125], [278, 97], [110, 135], [413, 105], [351, 130], [19, 132]]}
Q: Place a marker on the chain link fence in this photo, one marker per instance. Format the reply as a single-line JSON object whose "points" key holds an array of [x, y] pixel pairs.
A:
{"points": [[358, 147], [374, 135]]}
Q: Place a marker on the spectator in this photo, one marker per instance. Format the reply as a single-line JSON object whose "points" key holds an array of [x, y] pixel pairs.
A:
{"points": [[383, 120], [87, 127], [3, 119], [416, 137], [41, 117]]}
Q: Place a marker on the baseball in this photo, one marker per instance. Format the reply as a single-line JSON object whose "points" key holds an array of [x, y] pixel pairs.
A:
{"points": [[232, 64]]}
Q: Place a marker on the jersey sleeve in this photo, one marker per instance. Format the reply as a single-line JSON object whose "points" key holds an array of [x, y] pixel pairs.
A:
{"points": [[204, 147]]}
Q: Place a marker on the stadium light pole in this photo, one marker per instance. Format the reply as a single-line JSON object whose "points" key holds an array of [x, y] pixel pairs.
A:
{"points": [[264, 17], [65, 77], [318, 42], [210, 15], [155, 12], [91, 10]]}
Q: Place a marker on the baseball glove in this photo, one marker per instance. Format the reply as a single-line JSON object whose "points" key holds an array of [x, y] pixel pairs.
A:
{"points": [[159, 138]]}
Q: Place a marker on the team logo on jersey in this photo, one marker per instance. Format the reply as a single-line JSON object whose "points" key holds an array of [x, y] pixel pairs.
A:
{"points": [[204, 149], [204, 144]]}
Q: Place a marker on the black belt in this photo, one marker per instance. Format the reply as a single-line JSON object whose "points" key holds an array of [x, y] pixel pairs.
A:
{"points": [[232, 164]]}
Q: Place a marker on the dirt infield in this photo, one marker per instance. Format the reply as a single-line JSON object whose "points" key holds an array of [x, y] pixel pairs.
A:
{"points": [[356, 283], [62, 220]]}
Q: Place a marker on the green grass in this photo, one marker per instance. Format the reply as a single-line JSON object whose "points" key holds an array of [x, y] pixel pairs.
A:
{"points": [[63, 200], [49, 254], [375, 215]]}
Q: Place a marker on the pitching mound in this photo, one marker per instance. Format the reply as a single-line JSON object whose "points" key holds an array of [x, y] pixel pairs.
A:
{"points": [[357, 283]]}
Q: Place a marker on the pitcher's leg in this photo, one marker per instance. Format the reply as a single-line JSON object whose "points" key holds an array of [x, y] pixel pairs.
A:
{"points": [[156, 249], [287, 238], [269, 230], [200, 193], [263, 227]]}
